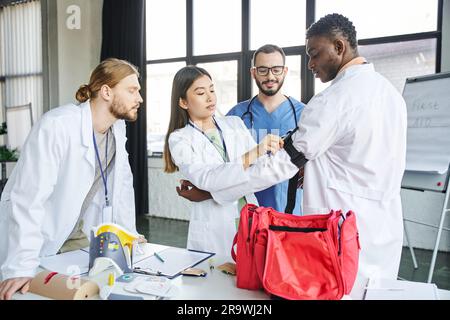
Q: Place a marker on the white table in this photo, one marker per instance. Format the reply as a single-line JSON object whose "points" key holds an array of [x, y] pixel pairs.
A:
{"points": [[215, 286]]}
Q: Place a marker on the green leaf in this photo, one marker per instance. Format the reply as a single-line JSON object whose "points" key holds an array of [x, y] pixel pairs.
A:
{"points": [[8, 155]]}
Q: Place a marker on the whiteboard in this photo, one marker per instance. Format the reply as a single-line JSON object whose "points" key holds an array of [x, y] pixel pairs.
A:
{"points": [[428, 136]]}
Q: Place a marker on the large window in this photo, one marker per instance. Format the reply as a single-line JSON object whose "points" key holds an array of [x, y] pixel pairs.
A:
{"points": [[166, 29], [401, 37], [280, 22], [400, 60], [217, 26], [21, 84], [381, 18], [159, 87], [224, 76]]}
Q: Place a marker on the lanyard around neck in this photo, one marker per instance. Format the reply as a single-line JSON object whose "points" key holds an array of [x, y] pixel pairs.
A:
{"points": [[104, 173], [227, 159]]}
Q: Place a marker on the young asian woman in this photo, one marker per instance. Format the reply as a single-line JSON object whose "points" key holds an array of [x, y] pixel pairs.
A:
{"points": [[219, 155]]}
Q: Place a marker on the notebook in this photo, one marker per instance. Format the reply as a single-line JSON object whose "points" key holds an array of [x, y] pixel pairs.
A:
{"points": [[387, 289]]}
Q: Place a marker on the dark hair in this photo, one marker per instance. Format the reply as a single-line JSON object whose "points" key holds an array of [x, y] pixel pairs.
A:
{"points": [[331, 25], [109, 72], [269, 48], [179, 117]]}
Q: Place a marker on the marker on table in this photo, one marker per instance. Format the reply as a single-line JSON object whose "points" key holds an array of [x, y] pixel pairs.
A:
{"points": [[106, 290], [159, 257]]}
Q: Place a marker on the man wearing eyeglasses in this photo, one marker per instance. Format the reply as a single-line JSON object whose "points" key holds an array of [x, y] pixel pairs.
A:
{"points": [[270, 111]]}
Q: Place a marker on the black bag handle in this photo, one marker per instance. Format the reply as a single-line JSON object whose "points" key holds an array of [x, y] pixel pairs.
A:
{"points": [[299, 160], [292, 193]]}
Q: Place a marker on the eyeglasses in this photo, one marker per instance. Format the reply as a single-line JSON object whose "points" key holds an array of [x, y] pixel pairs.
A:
{"points": [[264, 71]]}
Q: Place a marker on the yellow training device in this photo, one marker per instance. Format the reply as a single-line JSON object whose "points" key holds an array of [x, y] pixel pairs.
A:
{"points": [[126, 238]]}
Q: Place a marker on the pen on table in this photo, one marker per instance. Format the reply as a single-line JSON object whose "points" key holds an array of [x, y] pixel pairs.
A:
{"points": [[159, 257]]}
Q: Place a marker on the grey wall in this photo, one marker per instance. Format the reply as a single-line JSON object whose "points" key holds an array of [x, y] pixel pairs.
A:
{"points": [[71, 54], [50, 54], [78, 49]]}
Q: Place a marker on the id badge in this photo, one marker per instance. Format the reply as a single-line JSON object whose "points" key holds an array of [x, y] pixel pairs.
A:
{"points": [[107, 214]]}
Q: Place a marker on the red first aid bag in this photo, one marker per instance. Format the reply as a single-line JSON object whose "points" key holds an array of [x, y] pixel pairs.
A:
{"points": [[296, 257]]}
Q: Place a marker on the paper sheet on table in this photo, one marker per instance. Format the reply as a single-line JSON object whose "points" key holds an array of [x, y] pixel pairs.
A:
{"points": [[145, 250], [387, 289], [68, 263], [175, 261]]}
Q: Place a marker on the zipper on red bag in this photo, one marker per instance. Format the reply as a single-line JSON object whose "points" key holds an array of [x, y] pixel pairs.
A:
{"points": [[337, 266], [339, 230], [250, 222]]}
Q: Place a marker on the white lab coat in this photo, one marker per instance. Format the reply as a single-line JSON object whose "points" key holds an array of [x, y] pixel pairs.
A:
{"points": [[354, 135], [212, 223], [41, 202]]}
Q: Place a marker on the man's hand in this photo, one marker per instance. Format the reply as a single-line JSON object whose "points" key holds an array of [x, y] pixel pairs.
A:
{"points": [[11, 286], [188, 191], [271, 143]]}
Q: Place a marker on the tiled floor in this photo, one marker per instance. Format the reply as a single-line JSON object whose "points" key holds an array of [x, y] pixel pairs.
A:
{"points": [[441, 275], [174, 233], [163, 231]]}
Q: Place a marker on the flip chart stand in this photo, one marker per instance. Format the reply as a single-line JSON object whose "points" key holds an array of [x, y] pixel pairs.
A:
{"points": [[442, 183]]}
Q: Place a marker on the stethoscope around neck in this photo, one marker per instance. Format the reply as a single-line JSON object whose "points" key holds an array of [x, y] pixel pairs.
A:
{"points": [[249, 111]]}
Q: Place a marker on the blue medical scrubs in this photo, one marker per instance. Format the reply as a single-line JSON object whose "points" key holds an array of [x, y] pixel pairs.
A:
{"points": [[280, 121]]}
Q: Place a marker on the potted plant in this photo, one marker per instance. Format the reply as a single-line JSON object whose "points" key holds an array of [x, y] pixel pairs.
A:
{"points": [[7, 155]]}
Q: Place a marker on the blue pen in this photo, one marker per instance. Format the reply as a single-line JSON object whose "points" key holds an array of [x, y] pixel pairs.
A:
{"points": [[159, 257]]}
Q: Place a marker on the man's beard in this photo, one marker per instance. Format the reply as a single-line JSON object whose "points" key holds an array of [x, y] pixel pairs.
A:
{"points": [[270, 92], [120, 111]]}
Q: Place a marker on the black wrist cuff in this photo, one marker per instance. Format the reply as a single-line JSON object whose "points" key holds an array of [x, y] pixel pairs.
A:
{"points": [[297, 157]]}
